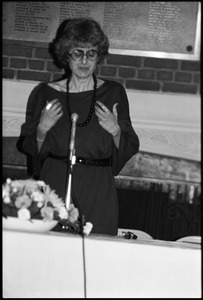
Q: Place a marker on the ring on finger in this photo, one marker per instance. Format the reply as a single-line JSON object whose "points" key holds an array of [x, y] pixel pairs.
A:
{"points": [[104, 108], [49, 105]]}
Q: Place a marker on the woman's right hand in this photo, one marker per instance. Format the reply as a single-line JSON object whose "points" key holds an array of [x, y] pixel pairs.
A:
{"points": [[49, 116]]}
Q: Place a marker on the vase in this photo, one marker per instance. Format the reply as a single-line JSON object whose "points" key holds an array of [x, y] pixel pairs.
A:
{"points": [[13, 223]]}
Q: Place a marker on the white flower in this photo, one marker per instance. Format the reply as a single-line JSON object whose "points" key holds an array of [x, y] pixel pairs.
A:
{"points": [[15, 189], [41, 183], [37, 196], [8, 181], [63, 214], [7, 199], [87, 228], [52, 197], [23, 214], [40, 204], [5, 191], [6, 194]]}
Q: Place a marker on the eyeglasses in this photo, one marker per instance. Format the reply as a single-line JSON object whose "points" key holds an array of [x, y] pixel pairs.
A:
{"points": [[129, 235], [78, 54]]}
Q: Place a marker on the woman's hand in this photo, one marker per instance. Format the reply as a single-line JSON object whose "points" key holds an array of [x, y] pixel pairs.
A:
{"points": [[107, 119], [50, 115]]}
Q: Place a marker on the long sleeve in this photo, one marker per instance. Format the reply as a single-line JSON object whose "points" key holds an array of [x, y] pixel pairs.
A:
{"points": [[29, 145], [129, 141]]}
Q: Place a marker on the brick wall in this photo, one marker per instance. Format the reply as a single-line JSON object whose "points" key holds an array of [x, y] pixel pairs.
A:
{"points": [[23, 60]]}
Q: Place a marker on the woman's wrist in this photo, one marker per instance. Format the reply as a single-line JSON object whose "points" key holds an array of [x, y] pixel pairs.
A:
{"points": [[41, 134], [116, 131], [116, 136], [41, 141]]}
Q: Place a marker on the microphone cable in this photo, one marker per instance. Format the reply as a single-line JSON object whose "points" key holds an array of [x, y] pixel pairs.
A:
{"points": [[82, 223], [83, 257]]}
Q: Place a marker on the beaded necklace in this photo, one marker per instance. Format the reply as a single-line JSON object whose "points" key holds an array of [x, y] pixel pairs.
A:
{"points": [[91, 106]]}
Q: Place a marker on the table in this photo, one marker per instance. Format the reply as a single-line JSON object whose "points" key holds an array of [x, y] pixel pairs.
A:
{"points": [[64, 265]]}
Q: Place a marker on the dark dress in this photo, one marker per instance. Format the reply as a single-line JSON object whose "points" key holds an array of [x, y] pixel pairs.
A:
{"points": [[93, 186]]}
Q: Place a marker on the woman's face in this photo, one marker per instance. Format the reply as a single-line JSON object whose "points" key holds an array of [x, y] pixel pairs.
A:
{"points": [[83, 67]]}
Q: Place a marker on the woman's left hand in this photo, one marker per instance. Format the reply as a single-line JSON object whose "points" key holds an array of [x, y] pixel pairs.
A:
{"points": [[107, 119]]}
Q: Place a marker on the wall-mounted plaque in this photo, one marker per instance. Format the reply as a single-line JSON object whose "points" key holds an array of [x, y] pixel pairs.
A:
{"points": [[157, 29]]}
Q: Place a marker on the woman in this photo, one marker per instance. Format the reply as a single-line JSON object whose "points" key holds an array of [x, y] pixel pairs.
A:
{"points": [[104, 137]]}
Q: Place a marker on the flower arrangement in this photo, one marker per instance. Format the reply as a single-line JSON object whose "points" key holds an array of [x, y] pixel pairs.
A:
{"points": [[32, 199]]}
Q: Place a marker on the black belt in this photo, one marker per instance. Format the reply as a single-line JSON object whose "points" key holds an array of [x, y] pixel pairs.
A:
{"points": [[105, 162]]}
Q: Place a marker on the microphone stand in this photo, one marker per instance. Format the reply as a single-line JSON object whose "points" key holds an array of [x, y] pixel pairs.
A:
{"points": [[72, 159]]}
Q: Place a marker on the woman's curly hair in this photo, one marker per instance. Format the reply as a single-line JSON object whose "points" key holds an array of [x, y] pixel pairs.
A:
{"points": [[78, 32]]}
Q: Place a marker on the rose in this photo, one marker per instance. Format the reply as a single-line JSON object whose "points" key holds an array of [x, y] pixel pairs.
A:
{"points": [[73, 213], [47, 213], [63, 214], [23, 201]]}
